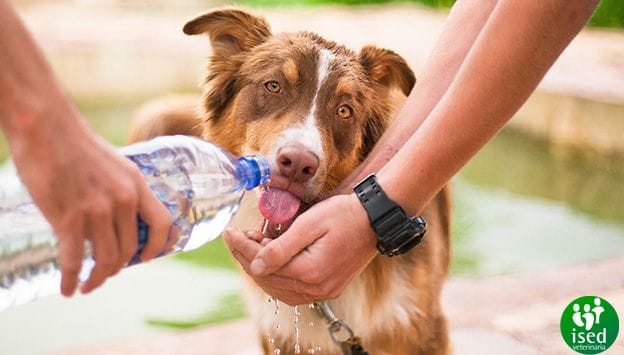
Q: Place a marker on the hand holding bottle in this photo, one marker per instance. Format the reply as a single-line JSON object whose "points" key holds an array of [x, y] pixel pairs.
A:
{"points": [[87, 191]]}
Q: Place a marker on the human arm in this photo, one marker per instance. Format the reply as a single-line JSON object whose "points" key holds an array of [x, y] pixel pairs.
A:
{"points": [[517, 46], [81, 185]]}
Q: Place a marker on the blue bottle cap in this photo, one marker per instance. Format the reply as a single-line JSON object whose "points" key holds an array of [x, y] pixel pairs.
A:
{"points": [[254, 170]]}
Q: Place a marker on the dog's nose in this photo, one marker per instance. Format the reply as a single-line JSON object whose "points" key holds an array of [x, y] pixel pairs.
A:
{"points": [[297, 163]]}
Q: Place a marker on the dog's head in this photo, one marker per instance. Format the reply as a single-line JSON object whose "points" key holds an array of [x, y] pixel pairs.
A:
{"points": [[312, 107]]}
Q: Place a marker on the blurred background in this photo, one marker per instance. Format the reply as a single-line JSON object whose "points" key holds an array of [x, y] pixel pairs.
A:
{"points": [[542, 198]]}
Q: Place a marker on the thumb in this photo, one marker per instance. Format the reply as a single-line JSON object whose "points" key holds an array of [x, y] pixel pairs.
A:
{"points": [[279, 252]]}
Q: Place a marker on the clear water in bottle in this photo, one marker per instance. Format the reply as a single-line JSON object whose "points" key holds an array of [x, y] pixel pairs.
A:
{"points": [[200, 183]]}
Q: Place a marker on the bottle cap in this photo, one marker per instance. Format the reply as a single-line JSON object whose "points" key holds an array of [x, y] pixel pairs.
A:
{"points": [[254, 170]]}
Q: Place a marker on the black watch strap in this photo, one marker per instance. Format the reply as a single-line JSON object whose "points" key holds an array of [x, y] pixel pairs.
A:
{"points": [[396, 231]]}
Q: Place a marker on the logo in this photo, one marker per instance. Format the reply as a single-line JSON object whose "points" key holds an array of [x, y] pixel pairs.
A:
{"points": [[589, 325]]}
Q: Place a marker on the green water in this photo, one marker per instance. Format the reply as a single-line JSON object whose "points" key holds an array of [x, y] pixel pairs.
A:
{"points": [[522, 205], [589, 183]]}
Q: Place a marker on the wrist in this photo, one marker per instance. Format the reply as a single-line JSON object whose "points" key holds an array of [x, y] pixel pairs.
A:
{"points": [[404, 191], [369, 237], [397, 232], [44, 127]]}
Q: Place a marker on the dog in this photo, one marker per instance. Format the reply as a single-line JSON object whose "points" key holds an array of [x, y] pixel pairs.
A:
{"points": [[314, 109]]}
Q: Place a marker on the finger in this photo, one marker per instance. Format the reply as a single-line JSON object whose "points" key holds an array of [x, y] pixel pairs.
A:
{"points": [[289, 290], [127, 229], [281, 250], [238, 242], [71, 253], [254, 235], [172, 239], [158, 220], [105, 249], [275, 284]]}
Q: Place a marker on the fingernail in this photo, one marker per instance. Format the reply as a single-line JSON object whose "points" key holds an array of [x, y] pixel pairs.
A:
{"points": [[68, 294], [257, 267]]}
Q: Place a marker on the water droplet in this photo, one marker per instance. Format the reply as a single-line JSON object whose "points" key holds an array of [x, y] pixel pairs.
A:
{"points": [[276, 306], [317, 349], [277, 326], [311, 351], [311, 306], [296, 321], [278, 229], [265, 226], [272, 340], [270, 299], [277, 351], [311, 324]]}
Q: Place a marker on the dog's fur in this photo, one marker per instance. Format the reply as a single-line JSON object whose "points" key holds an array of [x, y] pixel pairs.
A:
{"points": [[394, 304]]}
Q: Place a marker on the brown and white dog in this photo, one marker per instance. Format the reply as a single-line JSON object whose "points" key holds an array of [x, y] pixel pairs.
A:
{"points": [[315, 109]]}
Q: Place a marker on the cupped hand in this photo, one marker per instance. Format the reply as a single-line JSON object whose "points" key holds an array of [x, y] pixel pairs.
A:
{"points": [[316, 258], [87, 191]]}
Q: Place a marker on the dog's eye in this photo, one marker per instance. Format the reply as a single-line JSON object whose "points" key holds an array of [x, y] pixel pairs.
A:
{"points": [[273, 86], [345, 112]]}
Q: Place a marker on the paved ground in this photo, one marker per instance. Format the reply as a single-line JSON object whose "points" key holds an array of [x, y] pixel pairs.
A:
{"points": [[516, 314], [131, 51]]}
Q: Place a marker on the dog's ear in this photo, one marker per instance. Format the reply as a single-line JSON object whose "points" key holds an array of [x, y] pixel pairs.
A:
{"points": [[231, 31], [387, 68]]}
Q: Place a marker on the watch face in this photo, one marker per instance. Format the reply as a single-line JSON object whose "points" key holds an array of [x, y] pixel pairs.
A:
{"points": [[406, 237]]}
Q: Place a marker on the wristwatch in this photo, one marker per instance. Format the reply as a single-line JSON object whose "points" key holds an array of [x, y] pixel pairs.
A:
{"points": [[396, 231]]}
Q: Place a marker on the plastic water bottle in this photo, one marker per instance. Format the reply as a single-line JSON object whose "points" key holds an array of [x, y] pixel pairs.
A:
{"points": [[200, 183]]}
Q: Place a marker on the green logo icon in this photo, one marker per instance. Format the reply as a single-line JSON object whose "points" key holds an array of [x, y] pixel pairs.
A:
{"points": [[589, 325]]}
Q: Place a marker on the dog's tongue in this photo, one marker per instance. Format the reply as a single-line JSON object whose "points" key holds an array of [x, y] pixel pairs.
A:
{"points": [[278, 206]]}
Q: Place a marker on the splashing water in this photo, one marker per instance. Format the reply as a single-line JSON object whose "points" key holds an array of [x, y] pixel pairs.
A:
{"points": [[277, 306], [270, 299], [296, 312], [296, 315]]}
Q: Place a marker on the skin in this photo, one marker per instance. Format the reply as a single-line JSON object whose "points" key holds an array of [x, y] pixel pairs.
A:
{"points": [[487, 62], [83, 187]]}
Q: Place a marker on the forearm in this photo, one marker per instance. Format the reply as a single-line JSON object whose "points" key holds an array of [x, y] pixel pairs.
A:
{"points": [[26, 81], [463, 24], [517, 46]]}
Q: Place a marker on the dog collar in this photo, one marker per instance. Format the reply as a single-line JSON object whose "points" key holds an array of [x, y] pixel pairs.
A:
{"points": [[396, 231]]}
